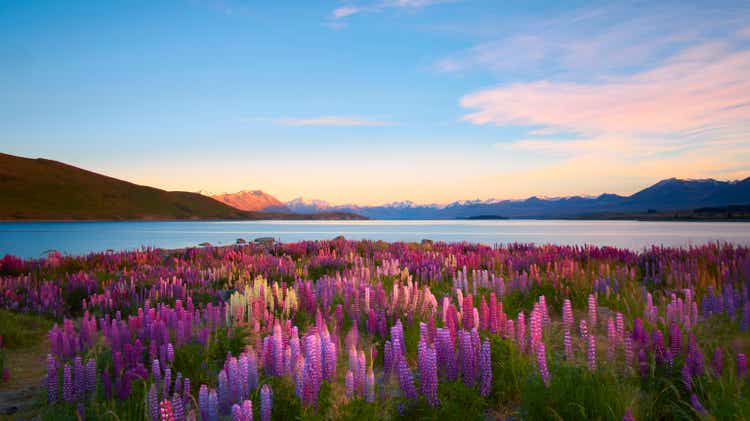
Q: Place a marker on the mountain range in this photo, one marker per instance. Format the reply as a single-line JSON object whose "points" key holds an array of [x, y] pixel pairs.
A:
{"points": [[665, 196], [49, 190], [42, 189]]}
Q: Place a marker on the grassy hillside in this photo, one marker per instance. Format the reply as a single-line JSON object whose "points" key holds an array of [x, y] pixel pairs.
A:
{"points": [[45, 189]]}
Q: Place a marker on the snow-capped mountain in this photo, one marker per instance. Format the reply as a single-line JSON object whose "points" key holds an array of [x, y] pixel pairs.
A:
{"points": [[666, 195]]}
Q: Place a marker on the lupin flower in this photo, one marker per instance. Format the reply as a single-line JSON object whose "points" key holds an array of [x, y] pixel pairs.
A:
{"points": [[153, 403], [611, 339], [741, 365], [247, 410], [541, 361], [213, 406], [485, 369], [687, 377], [406, 381], [628, 345], [167, 383], [237, 413], [521, 331], [468, 372], [697, 404], [178, 409], [79, 379], [165, 411], [567, 314], [91, 375], [583, 329], [428, 377], [591, 352], [266, 402], [349, 384], [51, 379], [67, 389], [223, 392], [628, 416], [568, 345], [592, 311]]}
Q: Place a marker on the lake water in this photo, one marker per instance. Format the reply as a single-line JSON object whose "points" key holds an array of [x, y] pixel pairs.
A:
{"points": [[33, 239]]}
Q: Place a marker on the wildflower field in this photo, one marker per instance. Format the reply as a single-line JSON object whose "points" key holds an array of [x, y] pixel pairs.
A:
{"points": [[327, 330]]}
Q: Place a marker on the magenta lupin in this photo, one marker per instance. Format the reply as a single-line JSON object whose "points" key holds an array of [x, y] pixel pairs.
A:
{"points": [[591, 352], [592, 310], [741, 365], [611, 339], [521, 331], [568, 345], [567, 314], [541, 361]]}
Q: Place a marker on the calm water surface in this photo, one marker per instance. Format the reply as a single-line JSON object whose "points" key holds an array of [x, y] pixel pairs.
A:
{"points": [[33, 239]]}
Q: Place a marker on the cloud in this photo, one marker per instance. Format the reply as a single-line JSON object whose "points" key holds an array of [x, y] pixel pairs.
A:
{"points": [[701, 86], [345, 11], [615, 39], [334, 121], [351, 9]]}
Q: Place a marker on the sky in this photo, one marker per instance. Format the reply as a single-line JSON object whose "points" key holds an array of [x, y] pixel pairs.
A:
{"points": [[375, 101]]}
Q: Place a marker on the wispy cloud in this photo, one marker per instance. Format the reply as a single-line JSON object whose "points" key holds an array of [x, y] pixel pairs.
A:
{"points": [[334, 121], [592, 42], [352, 9], [701, 86], [345, 11]]}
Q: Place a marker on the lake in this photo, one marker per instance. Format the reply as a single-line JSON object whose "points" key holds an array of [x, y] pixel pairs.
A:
{"points": [[33, 239]]}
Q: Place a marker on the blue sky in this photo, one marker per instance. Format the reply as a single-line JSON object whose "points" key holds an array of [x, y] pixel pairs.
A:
{"points": [[384, 100]]}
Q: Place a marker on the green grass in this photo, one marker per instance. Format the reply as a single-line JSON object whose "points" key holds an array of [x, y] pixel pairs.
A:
{"points": [[21, 330], [577, 393]]}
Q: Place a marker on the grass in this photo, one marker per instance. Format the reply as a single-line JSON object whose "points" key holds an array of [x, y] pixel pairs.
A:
{"points": [[21, 330]]}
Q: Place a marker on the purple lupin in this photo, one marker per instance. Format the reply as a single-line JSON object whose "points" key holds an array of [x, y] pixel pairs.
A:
{"points": [[485, 369], [266, 402], [153, 403], [51, 379], [67, 389], [406, 381]]}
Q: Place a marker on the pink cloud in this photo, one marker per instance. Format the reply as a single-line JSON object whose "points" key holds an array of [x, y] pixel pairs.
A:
{"points": [[702, 86]]}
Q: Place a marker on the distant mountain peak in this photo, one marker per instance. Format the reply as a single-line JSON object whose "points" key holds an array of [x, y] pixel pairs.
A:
{"points": [[252, 200]]}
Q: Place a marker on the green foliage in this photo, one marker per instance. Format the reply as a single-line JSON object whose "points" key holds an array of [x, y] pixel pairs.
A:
{"points": [[191, 361], [577, 393], [20, 330], [510, 371], [457, 402], [226, 341]]}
